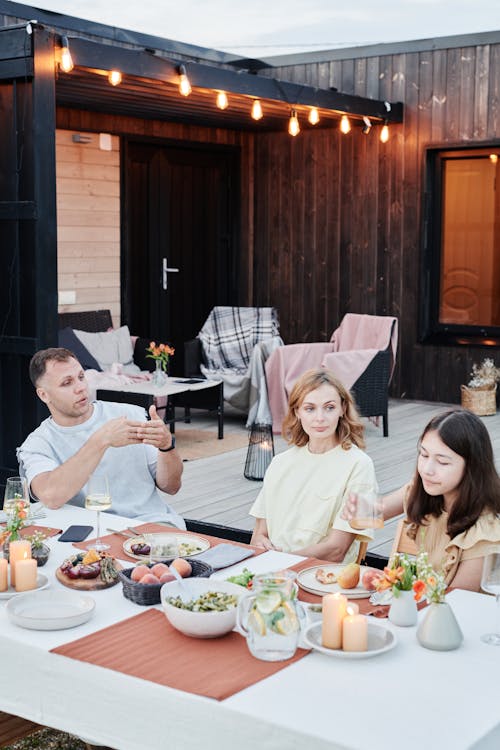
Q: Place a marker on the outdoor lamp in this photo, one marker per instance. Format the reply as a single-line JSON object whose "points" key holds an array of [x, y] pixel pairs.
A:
{"points": [[256, 109], [313, 116], [293, 123], [66, 62], [345, 125], [222, 100], [384, 133], [184, 85], [114, 77]]}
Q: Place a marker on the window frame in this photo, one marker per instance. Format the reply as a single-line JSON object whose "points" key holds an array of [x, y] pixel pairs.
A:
{"points": [[432, 331]]}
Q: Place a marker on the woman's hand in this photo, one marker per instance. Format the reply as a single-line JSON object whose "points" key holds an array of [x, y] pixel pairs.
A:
{"points": [[260, 536]]}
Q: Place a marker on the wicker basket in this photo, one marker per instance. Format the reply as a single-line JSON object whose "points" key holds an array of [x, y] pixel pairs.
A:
{"points": [[478, 401], [149, 593]]}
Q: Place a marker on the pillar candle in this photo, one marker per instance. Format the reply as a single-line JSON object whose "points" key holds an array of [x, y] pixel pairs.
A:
{"points": [[26, 574], [18, 550], [4, 582], [354, 633], [334, 611]]}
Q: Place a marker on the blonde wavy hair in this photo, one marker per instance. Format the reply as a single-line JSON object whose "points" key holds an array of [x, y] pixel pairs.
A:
{"points": [[349, 429]]}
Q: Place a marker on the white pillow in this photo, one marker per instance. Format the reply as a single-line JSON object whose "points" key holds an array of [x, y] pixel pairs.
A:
{"points": [[108, 347]]}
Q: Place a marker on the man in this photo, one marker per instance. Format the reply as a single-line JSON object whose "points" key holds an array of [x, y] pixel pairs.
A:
{"points": [[138, 456]]}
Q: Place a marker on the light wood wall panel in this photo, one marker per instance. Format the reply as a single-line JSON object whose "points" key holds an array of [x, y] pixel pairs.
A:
{"points": [[88, 222]]}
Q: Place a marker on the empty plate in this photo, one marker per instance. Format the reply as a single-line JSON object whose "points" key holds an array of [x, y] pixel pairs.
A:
{"points": [[50, 610]]}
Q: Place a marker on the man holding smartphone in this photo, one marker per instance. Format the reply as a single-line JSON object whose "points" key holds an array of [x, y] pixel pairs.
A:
{"points": [[138, 455]]}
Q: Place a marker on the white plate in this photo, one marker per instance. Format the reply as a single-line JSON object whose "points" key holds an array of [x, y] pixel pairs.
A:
{"points": [[200, 542], [380, 640], [50, 610], [307, 580], [42, 582]]}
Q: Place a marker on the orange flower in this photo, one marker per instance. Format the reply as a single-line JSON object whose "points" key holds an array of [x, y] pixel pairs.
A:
{"points": [[431, 581], [419, 590], [389, 577], [152, 344]]}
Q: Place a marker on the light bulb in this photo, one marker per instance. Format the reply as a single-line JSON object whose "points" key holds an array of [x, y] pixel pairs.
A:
{"points": [[222, 101], [384, 134], [493, 158], [66, 63], [313, 116], [257, 109], [114, 77], [293, 123], [345, 125], [184, 84]]}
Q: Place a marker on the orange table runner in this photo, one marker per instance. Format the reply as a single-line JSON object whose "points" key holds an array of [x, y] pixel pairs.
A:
{"points": [[116, 541], [147, 646], [29, 530]]}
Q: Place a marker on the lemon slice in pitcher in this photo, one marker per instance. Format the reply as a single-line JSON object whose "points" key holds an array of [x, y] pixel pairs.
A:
{"points": [[289, 623], [256, 622], [267, 601]]}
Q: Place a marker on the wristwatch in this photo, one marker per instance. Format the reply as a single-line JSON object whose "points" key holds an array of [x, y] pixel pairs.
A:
{"points": [[171, 448]]}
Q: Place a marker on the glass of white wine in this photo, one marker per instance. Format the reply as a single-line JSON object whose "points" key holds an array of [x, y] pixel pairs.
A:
{"points": [[490, 583], [16, 491], [98, 498]]}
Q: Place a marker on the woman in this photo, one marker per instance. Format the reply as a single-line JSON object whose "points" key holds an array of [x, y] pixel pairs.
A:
{"points": [[453, 502], [305, 487]]}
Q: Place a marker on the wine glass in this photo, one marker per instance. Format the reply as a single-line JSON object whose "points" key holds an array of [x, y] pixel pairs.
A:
{"points": [[490, 583], [16, 491], [369, 512], [98, 498]]}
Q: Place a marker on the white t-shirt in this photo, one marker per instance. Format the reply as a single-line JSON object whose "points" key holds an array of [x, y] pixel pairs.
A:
{"points": [[131, 469], [303, 494]]}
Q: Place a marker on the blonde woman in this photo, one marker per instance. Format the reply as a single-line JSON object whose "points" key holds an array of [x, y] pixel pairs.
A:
{"points": [[305, 487]]}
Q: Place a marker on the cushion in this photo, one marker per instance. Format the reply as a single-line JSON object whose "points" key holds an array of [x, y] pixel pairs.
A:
{"points": [[110, 346], [69, 340]]}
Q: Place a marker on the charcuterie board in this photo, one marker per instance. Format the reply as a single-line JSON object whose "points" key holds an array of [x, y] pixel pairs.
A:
{"points": [[86, 563], [86, 584]]}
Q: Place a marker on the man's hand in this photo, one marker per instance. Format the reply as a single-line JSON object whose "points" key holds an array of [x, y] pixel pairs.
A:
{"points": [[119, 432], [155, 432]]}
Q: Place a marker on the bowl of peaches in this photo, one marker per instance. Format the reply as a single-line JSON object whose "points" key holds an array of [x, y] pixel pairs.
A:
{"points": [[142, 583]]}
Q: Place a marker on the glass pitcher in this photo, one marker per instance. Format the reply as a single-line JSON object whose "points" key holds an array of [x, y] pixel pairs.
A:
{"points": [[270, 617]]}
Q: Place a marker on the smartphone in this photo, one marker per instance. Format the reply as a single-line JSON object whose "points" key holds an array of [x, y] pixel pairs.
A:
{"points": [[75, 534]]}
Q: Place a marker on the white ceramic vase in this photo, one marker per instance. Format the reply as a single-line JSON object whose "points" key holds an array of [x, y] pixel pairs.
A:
{"points": [[403, 609], [439, 629]]}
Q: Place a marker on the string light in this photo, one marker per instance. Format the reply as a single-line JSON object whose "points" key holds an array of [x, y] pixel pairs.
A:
{"points": [[257, 109], [66, 63], [115, 77], [345, 125], [184, 84], [293, 123], [384, 133], [493, 158], [313, 116], [367, 126], [222, 100]]}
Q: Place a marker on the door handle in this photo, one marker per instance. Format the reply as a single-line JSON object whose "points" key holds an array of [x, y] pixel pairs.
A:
{"points": [[165, 271]]}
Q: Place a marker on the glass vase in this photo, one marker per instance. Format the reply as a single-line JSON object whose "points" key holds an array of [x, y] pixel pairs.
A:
{"points": [[159, 375], [403, 609]]}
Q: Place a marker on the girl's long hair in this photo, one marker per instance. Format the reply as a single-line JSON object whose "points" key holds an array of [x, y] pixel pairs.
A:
{"points": [[349, 428], [479, 489]]}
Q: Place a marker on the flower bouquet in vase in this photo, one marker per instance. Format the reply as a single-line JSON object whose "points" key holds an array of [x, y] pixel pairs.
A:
{"points": [[439, 630], [16, 518], [161, 353], [479, 395], [399, 576]]}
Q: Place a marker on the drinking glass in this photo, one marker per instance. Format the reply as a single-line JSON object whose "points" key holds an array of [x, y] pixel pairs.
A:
{"points": [[490, 583], [369, 513], [16, 491], [98, 498]]}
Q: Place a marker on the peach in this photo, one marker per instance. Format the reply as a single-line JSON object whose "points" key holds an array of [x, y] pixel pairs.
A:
{"points": [[138, 572], [369, 579], [159, 569], [149, 578], [166, 577], [182, 567]]}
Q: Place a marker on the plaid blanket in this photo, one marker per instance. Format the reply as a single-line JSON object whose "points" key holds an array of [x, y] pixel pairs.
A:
{"points": [[230, 333]]}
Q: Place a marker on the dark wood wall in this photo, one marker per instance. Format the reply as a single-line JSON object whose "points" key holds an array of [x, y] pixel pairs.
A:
{"points": [[338, 218]]}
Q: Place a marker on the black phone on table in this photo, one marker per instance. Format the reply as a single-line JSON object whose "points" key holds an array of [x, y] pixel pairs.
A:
{"points": [[75, 533]]}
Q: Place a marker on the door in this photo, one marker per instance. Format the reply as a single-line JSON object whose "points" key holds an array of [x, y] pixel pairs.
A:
{"points": [[180, 239]]}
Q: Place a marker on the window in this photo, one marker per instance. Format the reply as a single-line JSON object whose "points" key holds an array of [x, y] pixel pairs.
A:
{"points": [[462, 253]]}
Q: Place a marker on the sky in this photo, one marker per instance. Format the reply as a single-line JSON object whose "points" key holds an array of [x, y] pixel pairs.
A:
{"points": [[260, 28]]}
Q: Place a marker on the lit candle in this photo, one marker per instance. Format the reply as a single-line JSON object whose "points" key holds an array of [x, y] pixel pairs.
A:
{"points": [[4, 583], [352, 608], [25, 575], [334, 611], [18, 550], [354, 632]]}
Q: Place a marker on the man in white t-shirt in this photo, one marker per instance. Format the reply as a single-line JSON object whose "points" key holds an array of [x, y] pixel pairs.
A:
{"points": [[80, 436]]}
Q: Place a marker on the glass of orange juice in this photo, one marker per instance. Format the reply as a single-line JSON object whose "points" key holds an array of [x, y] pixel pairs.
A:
{"points": [[369, 512]]}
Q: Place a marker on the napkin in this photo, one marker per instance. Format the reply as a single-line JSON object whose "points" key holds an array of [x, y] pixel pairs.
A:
{"points": [[224, 555]]}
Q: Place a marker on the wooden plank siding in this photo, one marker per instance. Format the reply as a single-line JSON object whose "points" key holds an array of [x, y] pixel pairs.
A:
{"points": [[361, 223]]}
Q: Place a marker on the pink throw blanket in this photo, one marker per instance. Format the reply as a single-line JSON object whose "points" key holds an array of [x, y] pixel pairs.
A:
{"points": [[115, 376]]}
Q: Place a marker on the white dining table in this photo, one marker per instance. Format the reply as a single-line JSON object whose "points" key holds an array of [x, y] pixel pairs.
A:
{"points": [[409, 697]]}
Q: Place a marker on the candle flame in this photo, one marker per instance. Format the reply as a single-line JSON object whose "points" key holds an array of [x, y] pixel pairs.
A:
{"points": [[350, 611]]}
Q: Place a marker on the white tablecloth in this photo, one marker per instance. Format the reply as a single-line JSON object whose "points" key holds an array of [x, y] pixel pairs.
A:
{"points": [[407, 698]]}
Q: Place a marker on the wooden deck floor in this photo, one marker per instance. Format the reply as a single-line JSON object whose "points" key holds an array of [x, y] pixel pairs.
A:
{"points": [[214, 489]]}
